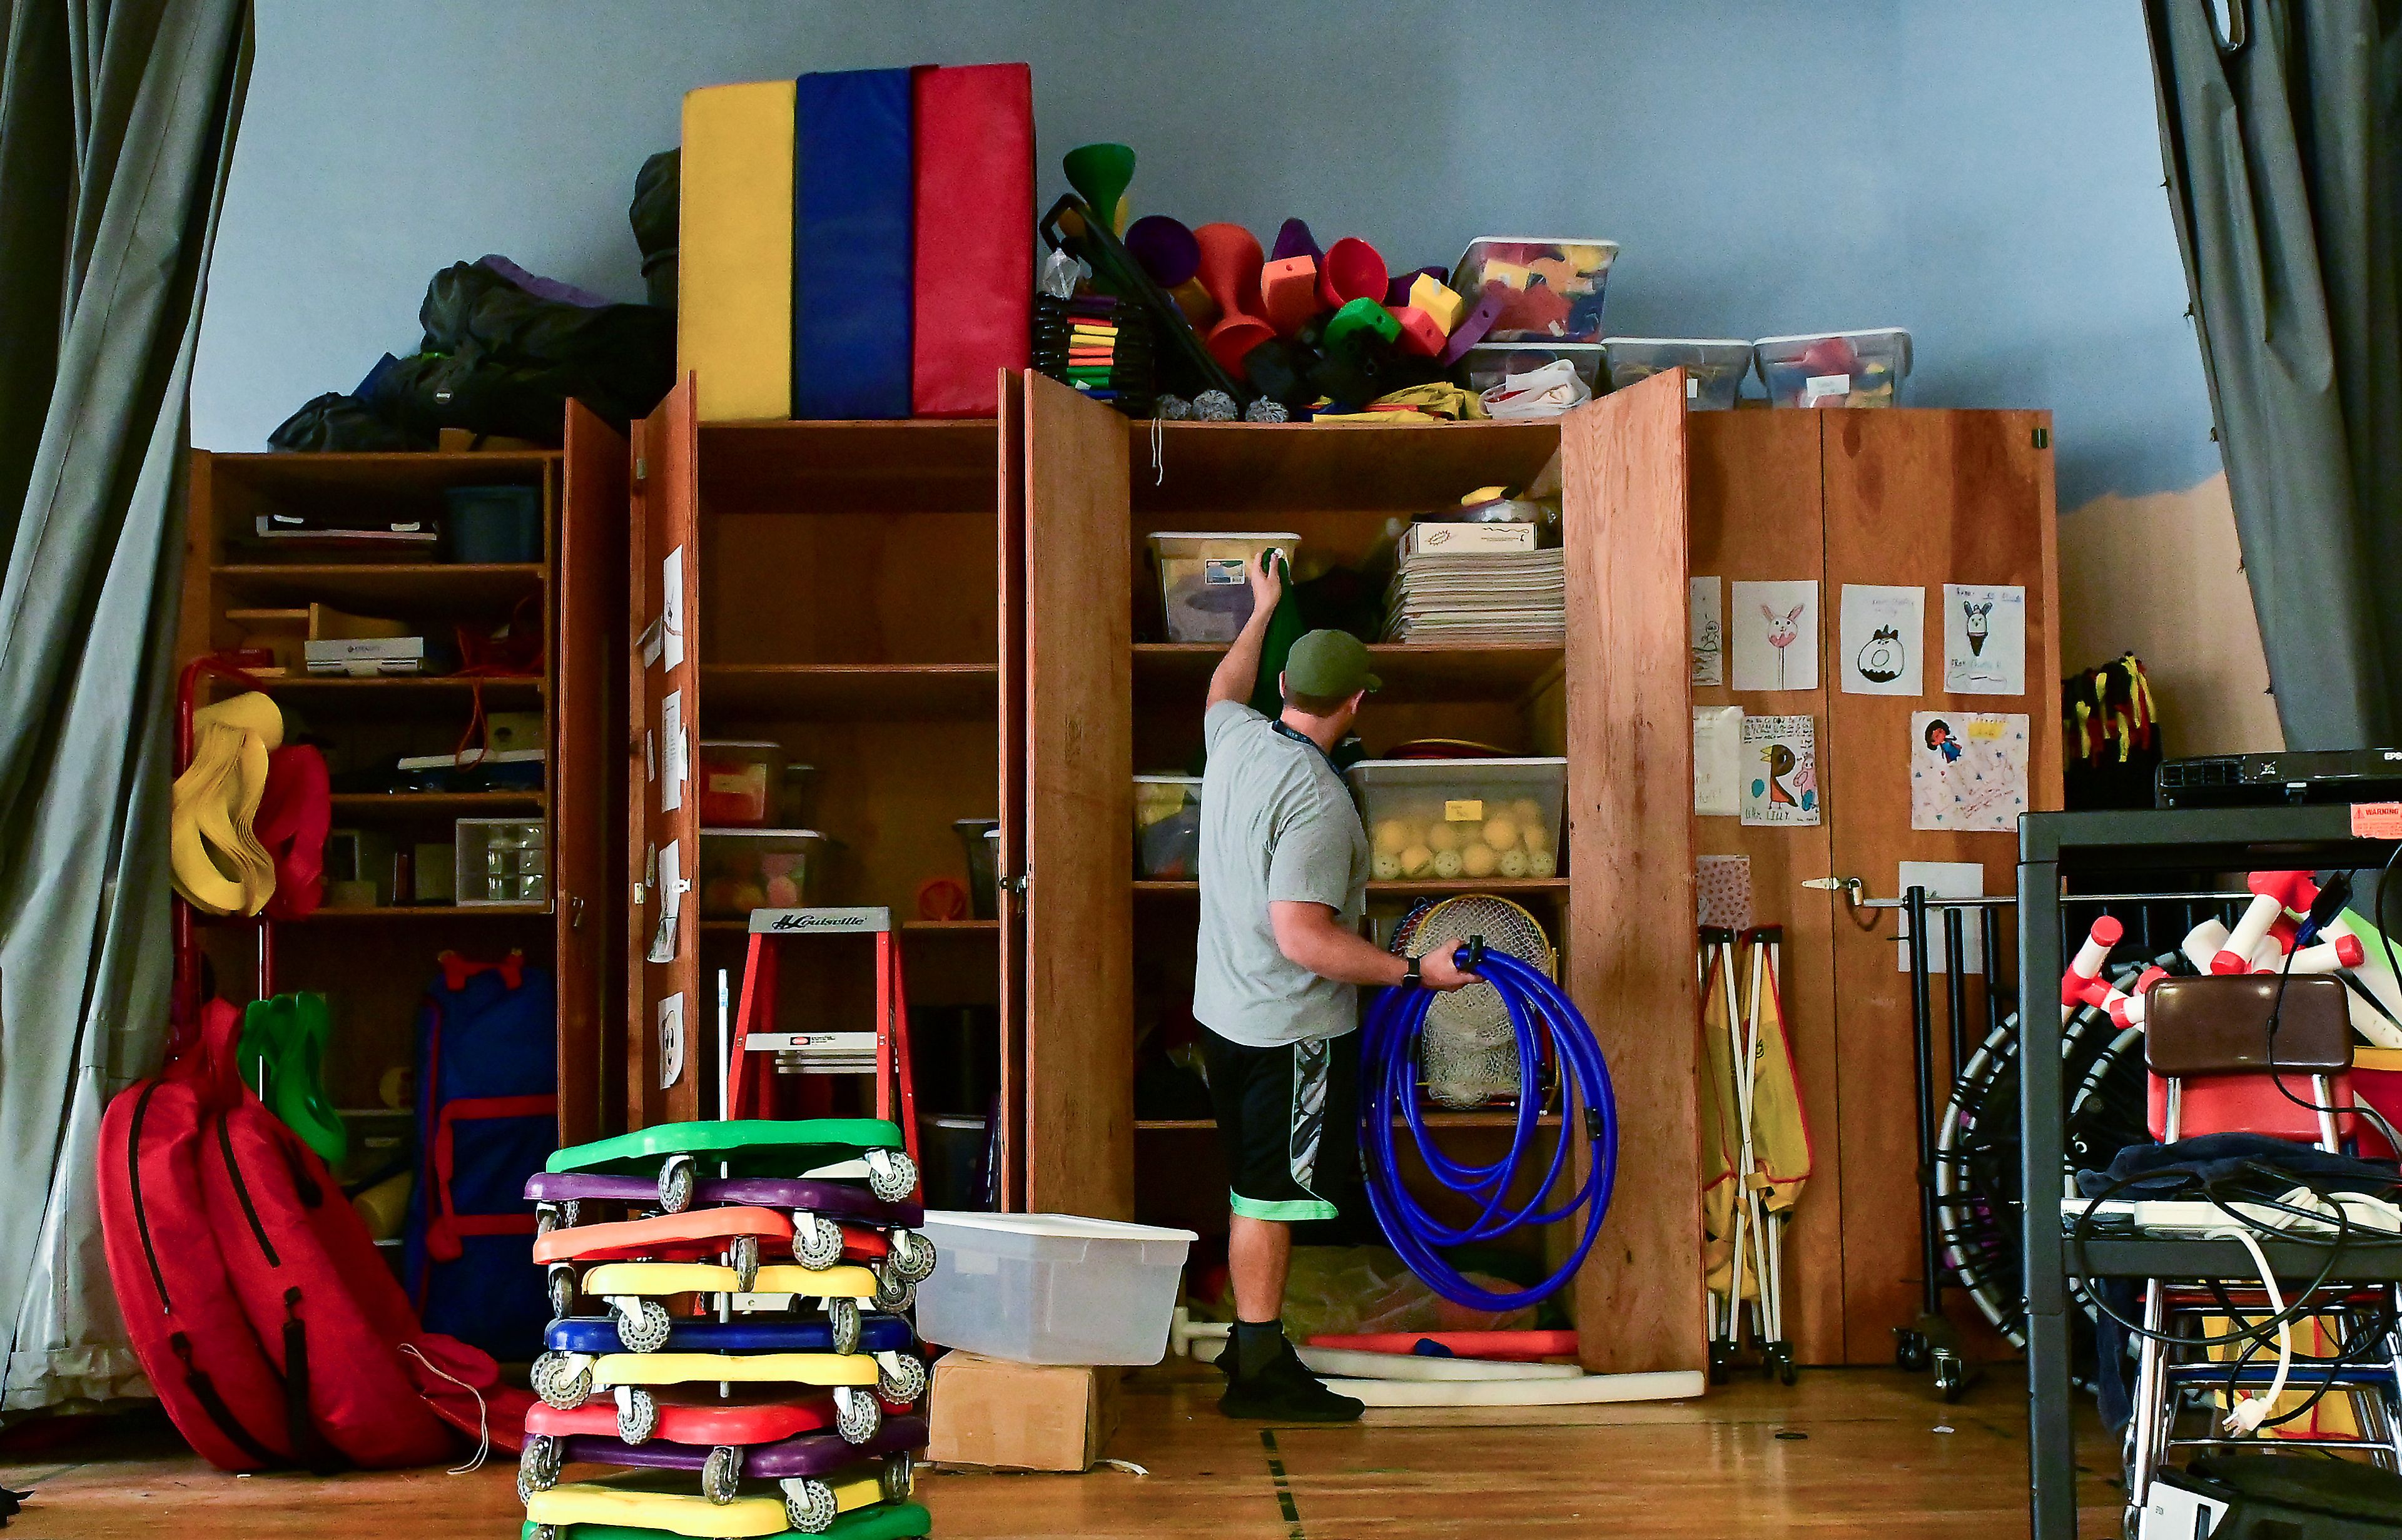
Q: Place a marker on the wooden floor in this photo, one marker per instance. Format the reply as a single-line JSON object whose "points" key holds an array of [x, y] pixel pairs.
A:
{"points": [[1846, 1452]]}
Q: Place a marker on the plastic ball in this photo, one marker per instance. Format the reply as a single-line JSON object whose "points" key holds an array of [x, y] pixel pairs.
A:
{"points": [[1534, 836], [1415, 860], [1446, 863], [1501, 834], [1527, 810], [1513, 863], [1541, 864], [784, 893], [1395, 835], [1440, 838], [1479, 860], [748, 895], [1386, 866]]}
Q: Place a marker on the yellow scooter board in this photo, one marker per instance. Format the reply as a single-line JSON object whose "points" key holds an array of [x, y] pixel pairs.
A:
{"points": [[808, 1505], [634, 1289]]}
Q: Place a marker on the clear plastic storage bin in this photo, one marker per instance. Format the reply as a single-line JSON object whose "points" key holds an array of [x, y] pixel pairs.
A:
{"points": [[740, 783], [500, 861], [980, 846], [1462, 818], [1168, 827], [747, 869], [1714, 365], [1835, 368], [1204, 586], [1490, 364], [1051, 1289], [1556, 283]]}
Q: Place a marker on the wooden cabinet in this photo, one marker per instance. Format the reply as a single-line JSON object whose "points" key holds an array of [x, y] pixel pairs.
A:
{"points": [[373, 962]]}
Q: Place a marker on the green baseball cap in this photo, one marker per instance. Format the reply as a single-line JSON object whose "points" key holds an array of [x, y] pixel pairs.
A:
{"points": [[1329, 664]]}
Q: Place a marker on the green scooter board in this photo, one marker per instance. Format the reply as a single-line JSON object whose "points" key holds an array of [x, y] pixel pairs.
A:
{"points": [[885, 1521], [677, 1153]]}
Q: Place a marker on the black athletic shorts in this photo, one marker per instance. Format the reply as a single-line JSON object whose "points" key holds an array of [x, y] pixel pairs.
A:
{"points": [[1288, 1120]]}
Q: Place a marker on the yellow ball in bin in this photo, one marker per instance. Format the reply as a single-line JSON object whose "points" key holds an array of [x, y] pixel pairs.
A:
{"points": [[1478, 860], [1415, 860], [1534, 837], [1386, 866], [1514, 863], [1446, 863], [1395, 835], [1541, 864], [1442, 837], [1527, 811], [1501, 834]]}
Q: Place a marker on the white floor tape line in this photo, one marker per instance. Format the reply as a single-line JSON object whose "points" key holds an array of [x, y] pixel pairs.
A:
{"points": [[1585, 1390]]}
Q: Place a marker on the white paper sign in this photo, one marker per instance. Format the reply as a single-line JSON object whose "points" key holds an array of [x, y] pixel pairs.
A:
{"points": [[670, 1040], [671, 610], [1882, 641], [671, 756], [666, 885], [1967, 770], [1722, 891], [1717, 760], [1984, 639], [1780, 770], [1943, 880], [1774, 628], [1709, 630]]}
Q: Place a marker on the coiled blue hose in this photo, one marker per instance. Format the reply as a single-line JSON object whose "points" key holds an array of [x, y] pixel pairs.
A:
{"points": [[1540, 1016]]}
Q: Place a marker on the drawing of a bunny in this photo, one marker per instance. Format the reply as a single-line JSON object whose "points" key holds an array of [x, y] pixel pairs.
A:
{"points": [[1781, 632]]}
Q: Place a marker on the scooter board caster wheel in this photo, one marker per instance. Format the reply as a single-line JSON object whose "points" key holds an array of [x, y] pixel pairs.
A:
{"points": [[643, 1324], [743, 1257], [546, 1220], [898, 1478], [720, 1476], [893, 1293], [571, 1213], [900, 1376], [856, 1414], [546, 1532], [637, 1414], [842, 1318], [817, 1240], [563, 1379], [912, 1255], [676, 1179], [561, 1284], [892, 1174], [538, 1465], [1909, 1350], [809, 1506]]}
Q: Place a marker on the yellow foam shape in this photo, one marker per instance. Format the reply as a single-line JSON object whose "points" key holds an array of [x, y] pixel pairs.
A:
{"points": [[1438, 299], [679, 1513], [656, 1278], [748, 1369], [734, 294]]}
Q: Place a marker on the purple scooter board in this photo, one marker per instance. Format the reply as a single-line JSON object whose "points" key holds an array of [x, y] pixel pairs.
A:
{"points": [[723, 1468]]}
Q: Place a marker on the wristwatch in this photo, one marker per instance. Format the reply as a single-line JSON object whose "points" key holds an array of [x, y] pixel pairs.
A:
{"points": [[1409, 971]]}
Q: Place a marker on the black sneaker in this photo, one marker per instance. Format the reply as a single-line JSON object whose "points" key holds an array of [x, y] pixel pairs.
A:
{"points": [[1284, 1391]]}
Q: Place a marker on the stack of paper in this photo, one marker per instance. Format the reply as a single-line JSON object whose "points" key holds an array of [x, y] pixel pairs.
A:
{"points": [[1477, 595]]}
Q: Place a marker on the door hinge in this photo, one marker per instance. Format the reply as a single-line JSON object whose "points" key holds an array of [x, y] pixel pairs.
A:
{"points": [[641, 469], [2043, 439]]}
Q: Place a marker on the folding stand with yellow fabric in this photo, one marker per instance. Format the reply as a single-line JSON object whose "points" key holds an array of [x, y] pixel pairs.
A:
{"points": [[1755, 1145], [218, 864]]}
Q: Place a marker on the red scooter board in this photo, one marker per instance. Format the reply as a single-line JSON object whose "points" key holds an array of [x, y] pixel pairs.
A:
{"points": [[1514, 1345], [696, 1234]]}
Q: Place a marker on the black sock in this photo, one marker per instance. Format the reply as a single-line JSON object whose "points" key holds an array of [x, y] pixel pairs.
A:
{"points": [[1256, 1345]]}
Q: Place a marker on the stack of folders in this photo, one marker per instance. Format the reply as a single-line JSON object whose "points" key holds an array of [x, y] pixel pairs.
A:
{"points": [[1472, 583]]}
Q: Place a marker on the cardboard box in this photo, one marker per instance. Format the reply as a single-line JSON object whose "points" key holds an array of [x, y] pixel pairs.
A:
{"points": [[1461, 538], [989, 1412]]}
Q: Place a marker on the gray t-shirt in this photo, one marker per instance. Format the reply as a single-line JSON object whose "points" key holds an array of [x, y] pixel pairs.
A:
{"points": [[1277, 824]]}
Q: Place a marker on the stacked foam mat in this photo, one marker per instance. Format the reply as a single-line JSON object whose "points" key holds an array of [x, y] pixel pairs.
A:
{"points": [[738, 1347], [857, 245]]}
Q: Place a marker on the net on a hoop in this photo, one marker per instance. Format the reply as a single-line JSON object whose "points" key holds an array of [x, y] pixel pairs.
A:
{"points": [[1468, 1054]]}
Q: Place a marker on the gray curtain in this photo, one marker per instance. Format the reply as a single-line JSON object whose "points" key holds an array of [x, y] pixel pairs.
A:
{"points": [[2278, 129], [117, 125]]}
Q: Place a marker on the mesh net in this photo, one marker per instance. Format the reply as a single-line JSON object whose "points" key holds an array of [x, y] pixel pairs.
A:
{"points": [[1468, 1054]]}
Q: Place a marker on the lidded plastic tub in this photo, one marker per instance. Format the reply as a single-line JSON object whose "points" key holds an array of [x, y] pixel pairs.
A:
{"points": [[1168, 827], [1051, 1289], [1555, 284], [741, 783], [980, 845], [1473, 819], [1714, 365], [747, 869], [1491, 364], [1204, 586], [1863, 368]]}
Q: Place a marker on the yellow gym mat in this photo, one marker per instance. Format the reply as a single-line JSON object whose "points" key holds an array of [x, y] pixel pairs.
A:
{"points": [[734, 298]]}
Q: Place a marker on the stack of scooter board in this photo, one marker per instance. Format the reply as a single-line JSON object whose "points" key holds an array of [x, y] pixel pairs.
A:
{"points": [[740, 1343]]}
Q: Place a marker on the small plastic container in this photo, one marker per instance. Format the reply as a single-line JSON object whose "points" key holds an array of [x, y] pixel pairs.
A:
{"points": [[492, 524], [500, 861], [980, 843], [1556, 283], [1051, 1289], [747, 869], [797, 804], [1168, 827], [741, 783], [1824, 369], [1204, 586], [1461, 818], [1491, 364], [1714, 365]]}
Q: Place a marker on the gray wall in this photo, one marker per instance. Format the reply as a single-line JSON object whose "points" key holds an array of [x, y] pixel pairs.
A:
{"points": [[1987, 175]]}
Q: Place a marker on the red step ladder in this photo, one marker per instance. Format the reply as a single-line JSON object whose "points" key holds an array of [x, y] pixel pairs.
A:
{"points": [[759, 1051]]}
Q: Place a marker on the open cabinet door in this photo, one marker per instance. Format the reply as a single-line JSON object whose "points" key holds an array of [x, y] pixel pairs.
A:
{"points": [[1630, 934], [1078, 812], [666, 1015], [1010, 902], [587, 782]]}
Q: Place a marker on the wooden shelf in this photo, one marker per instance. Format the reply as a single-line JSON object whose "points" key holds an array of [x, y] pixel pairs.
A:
{"points": [[1268, 470], [1412, 671], [919, 465], [1428, 887], [952, 928], [849, 692], [417, 587], [464, 805], [426, 912], [400, 691]]}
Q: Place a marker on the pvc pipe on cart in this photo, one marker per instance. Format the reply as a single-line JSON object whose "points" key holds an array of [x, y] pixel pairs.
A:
{"points": [[1585, 1390]]}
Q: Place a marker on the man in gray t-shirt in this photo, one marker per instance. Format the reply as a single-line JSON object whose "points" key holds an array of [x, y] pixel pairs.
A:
{"points": [[1284, 885]]}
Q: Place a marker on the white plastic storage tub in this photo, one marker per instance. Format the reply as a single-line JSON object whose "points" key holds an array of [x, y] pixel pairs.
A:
{"points": [[1168, 827], [1051, 1289], [1491, 364], [747, 869], [1862, 368], [1462, 818], [1204, 584], [1714, 365], [1554, 284]]}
